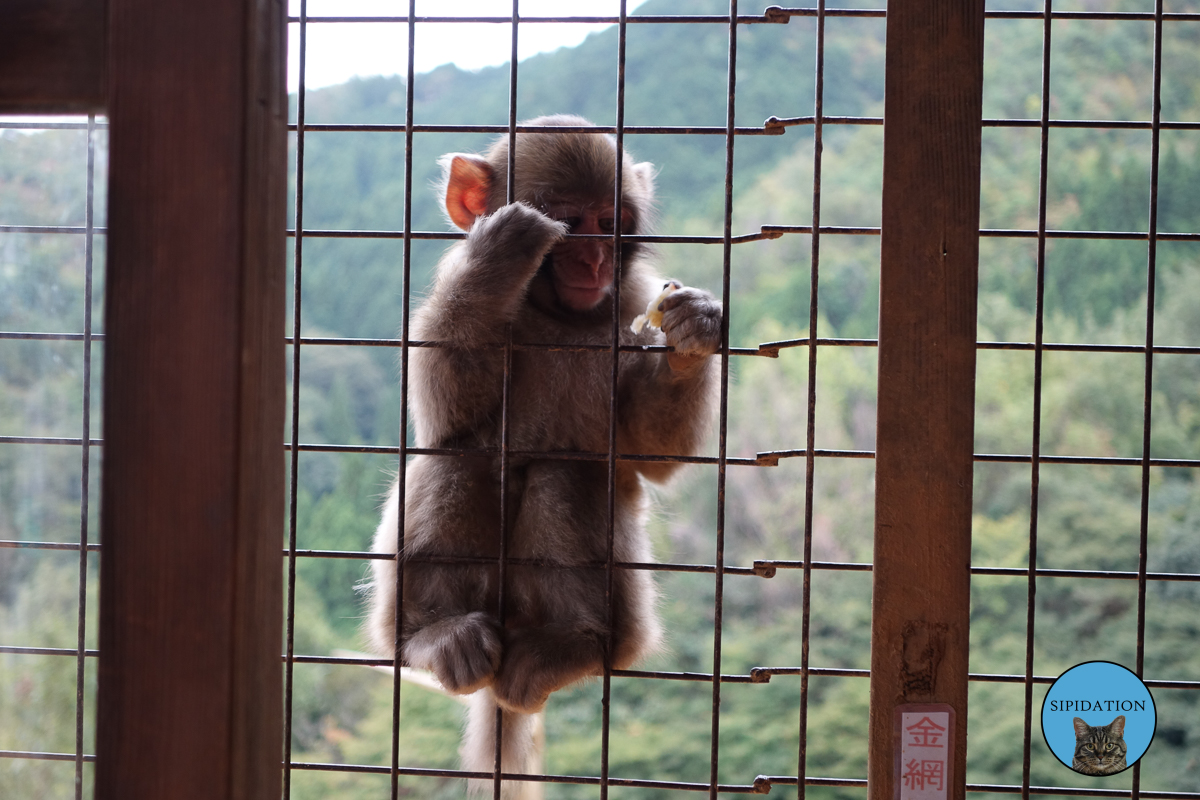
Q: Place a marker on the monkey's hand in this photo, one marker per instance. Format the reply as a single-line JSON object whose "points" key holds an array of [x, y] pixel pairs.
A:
{"points": [[514, 238], [692, 324]]}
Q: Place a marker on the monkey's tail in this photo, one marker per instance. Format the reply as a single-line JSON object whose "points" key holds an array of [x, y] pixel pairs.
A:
{"points": [[478, 751]]}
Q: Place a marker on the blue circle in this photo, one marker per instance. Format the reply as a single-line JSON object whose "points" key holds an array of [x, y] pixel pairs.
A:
{"points": [[1098, 692]]}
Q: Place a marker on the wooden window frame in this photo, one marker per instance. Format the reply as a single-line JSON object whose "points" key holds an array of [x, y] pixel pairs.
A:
{"points": [[190, 699], [193, 481]]}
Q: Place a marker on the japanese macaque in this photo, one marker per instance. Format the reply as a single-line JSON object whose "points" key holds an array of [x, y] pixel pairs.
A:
{"points": [[518, 267]]}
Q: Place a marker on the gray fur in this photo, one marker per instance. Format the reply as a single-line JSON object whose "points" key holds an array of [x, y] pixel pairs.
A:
{"points": [[556, 630]]}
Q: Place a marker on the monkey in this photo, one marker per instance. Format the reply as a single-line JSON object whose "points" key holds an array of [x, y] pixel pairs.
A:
{"points": [[518, 271]]}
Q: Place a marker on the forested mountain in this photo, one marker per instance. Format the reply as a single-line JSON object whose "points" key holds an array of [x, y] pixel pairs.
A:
{"points": [[1088, 516]]}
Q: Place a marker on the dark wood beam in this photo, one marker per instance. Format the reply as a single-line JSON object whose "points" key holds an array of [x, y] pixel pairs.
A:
{"points": [[928, 286], [52, 56], [190, 681]]}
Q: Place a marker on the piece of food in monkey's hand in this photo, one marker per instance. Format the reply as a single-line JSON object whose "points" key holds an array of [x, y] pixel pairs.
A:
{"points": [[653, 315]]}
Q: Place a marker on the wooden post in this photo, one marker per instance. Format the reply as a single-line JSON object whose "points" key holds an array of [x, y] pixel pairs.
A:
{"points": [[192, 508], [52, 56], [928, 286]]}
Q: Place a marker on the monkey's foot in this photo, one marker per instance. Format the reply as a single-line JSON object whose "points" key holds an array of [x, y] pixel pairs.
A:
{"points": [[462, 652], [538, 661]]}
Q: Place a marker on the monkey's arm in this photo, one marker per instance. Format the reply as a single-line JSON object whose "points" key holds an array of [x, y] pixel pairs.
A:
{"points": [[667, 406], [481, 286]]}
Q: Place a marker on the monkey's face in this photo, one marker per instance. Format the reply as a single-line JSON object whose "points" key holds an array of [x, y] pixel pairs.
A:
{"points": [[583, 268]]}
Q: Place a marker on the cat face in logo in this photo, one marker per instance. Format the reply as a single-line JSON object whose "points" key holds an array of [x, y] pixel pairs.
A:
{"points": [[1100, 749]]}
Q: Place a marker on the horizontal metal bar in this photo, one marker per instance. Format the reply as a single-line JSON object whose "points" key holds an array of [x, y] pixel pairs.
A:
{"points": [[764, 568], [773, 15], [767, 459], [731, 788], [695, 677], [72, 229], [788, 122], [789, 780], [770, 458], [46, 651], [842, 230], [35, 755], [649, 566], [1090, 348], [1128, 236], [768, 349], [1103, 124], [55, 440], [1086, 573], [984, 677], [764, 459], [1078, 792], [92, 547], [784, 780], [766, 232], [49, 337], [987, 677], [495, 451], [756, 675], [767, 567], [50, 126], [773, 348], [761, 785], [531, 346], [1120, 16], [772, 126], [823, 671], [673, 130], [771, 122], [1104, 461], [342, 660]]}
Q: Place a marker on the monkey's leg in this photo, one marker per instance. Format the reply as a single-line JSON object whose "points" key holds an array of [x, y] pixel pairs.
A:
{"points": [[637, 631], [539, 660], [462, 651]]}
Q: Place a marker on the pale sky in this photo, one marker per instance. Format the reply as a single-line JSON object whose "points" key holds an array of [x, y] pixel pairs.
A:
{"points": [[337, 52], [340, 51]]}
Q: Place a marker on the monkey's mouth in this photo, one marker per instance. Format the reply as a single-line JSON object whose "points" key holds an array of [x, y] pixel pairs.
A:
{"points": [[581, 298]]}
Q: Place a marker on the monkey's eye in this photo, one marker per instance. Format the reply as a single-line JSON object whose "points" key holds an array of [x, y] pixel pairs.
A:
{"points": [[606, 224], [572, 222]]}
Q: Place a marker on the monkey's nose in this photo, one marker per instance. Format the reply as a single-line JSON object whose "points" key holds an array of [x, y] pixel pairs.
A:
{"points": [[593, 256]]}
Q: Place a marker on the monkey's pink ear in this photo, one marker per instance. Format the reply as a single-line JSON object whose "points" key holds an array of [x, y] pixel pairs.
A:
{"points": [[468, 182]]}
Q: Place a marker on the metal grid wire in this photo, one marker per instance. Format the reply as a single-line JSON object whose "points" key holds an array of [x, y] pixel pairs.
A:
{"points": [[767, 567], [718, 568], [85, 443]]}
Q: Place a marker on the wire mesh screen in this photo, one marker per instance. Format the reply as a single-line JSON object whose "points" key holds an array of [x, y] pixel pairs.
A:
{"points": [[725, 708], [765, 126], [51, 278], [1088, 246]]}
